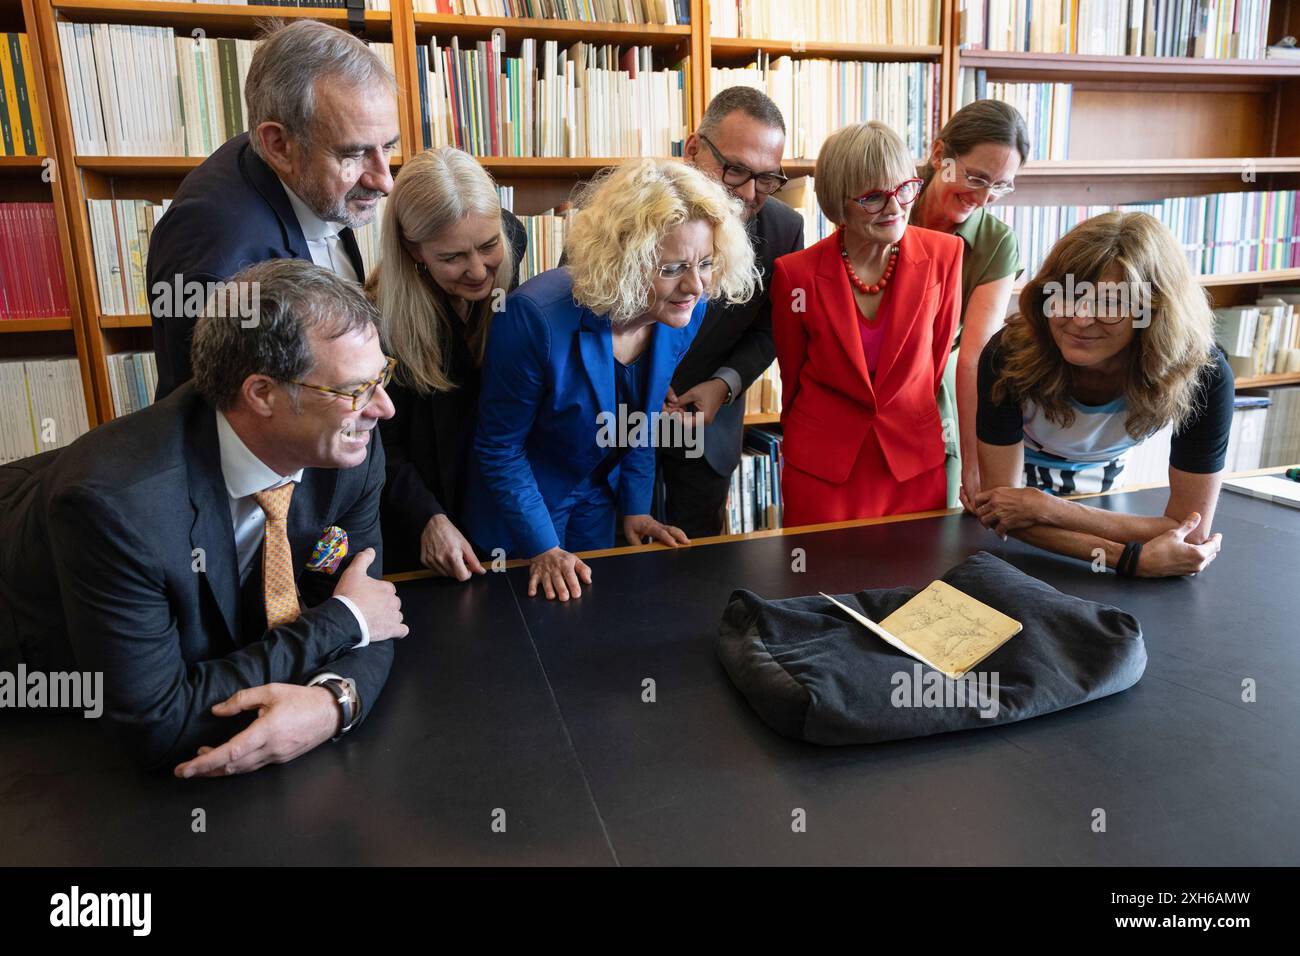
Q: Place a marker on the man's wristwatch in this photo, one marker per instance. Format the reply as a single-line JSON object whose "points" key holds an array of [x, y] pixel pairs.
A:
{"points": [[345, 694], [731, 396]]}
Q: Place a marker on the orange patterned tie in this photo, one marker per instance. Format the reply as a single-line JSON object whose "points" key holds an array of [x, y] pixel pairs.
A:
{"points": [[278, 586]]}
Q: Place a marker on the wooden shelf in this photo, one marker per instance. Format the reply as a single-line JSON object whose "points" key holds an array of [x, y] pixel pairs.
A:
{"points": [[152, 165], [1250, 278], [763, 418], [1226, 278], [732, 48], [560, 167], [213, 17], [1055, 67], [125, 321], [20, 165], [1044, 170], [566, 31], [1261, 381], [58, 324]]}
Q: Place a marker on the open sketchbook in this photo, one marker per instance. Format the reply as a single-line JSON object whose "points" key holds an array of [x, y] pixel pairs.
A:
{"points": [[943, 627]]}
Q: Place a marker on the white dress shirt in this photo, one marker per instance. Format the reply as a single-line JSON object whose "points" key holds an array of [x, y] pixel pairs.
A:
{"points": [[322, 239], [245, 474]]}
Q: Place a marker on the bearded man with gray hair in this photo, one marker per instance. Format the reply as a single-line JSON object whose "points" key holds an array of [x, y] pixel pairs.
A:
{"points": [[322, 121]]}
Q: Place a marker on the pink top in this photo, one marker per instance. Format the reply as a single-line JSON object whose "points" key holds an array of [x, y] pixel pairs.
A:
{"points": [[873, 335]]}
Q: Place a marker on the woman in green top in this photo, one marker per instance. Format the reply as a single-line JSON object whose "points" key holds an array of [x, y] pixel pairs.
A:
{"points": [[973, 162]]}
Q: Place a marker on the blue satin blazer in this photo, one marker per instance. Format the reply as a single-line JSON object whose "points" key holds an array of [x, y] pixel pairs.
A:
{"points": [[547, 375]]}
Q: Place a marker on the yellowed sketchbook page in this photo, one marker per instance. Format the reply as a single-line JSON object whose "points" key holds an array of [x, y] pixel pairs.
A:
{"points": [[943, 627]]}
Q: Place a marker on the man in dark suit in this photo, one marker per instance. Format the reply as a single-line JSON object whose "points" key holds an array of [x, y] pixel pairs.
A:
{"points": [[740, 141], [175, 549], [322, 116]]}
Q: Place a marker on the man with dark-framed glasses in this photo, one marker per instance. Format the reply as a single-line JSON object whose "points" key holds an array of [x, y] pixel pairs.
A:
{"points": [[217, 555], [740, 142]]}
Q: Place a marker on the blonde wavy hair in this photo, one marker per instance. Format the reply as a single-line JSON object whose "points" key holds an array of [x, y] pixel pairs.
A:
{"points": [[612, 249], [434, 191], [1165, 358]]}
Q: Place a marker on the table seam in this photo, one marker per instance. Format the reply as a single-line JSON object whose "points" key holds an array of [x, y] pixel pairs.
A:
{"points": [[568, 737]]}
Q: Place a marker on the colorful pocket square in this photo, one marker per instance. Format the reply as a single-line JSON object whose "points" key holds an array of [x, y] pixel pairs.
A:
{"points": [[331, 549]]}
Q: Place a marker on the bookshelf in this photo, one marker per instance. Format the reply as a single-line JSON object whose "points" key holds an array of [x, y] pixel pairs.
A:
{"points": [[1142, 128], [37, 179], [1151, 127]]}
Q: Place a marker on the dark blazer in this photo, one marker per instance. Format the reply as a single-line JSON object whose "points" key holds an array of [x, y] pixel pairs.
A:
{"points": [[740, 336], [228, 213], [99, 574], [548, 375], [427, 443]]}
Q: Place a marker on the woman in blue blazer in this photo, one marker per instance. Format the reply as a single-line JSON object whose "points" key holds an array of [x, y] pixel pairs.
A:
{"points": [[578, 366]]}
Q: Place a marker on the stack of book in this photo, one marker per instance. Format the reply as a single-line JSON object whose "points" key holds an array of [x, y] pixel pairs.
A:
{"points": [[800, 195], [132, 377], [21, 131], [1045, 107], [32, 284], [1221, 233], [1261, 339], [1281, 443], [1217, 29], [368, 237], [584, 100], [754, 499], [817, 97], [147, 91], [120, 230], [44, 406], [336, 4], [763, 397], [588, 11], [546, 235], [911, 22]]}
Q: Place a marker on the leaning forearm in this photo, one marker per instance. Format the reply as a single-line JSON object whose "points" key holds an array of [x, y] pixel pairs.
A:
{"points": [[1075, 516], [1074, 544]]}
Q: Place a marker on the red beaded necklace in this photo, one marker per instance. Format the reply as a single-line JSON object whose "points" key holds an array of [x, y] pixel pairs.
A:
{"points": [[857, 281]]}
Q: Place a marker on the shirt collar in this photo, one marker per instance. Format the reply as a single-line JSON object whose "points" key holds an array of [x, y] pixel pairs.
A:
{"points": [[314, 228], [244, 472], [971, 226]]}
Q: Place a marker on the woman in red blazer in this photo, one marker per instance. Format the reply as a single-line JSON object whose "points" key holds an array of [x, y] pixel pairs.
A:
{"points": [[863, 323]]}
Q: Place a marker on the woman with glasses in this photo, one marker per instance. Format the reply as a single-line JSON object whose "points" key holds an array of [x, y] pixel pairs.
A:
{"points": [[973, 163], [863, 323], [581, 357], [1113, 341], [449, 255]]}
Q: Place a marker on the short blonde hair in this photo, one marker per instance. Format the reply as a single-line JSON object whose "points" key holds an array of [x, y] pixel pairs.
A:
{"points": [[612, 249], [855, 160]]}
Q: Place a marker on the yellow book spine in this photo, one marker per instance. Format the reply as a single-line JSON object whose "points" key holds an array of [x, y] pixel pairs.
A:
{"points": [[11, 96], [38, 129]]}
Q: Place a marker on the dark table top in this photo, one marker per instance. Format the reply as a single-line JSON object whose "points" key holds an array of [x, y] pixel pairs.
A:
{"points": [[502, 703]]}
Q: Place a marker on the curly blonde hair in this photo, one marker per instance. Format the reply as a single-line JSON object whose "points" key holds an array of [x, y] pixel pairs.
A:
{"points": [[1165, 357], [612, 249]]}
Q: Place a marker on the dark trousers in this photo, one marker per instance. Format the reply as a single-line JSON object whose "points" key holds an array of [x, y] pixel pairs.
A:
{"points": [[695, 494]]}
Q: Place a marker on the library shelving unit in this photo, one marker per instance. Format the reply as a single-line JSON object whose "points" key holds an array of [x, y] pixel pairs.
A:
{"points": [[541, 183], [1142, 128], [149, 177], [36, 179], [1146, 127]]}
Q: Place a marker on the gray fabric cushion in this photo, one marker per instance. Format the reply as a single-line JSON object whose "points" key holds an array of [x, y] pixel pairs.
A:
{"points": [[815, 674]]}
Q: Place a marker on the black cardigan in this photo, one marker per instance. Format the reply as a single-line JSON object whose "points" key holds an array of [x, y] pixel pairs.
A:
{"points": [[427, 444]]}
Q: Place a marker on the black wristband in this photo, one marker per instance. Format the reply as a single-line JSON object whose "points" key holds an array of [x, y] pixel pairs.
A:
{"points": [[1124, 566], [1133, 561]]}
